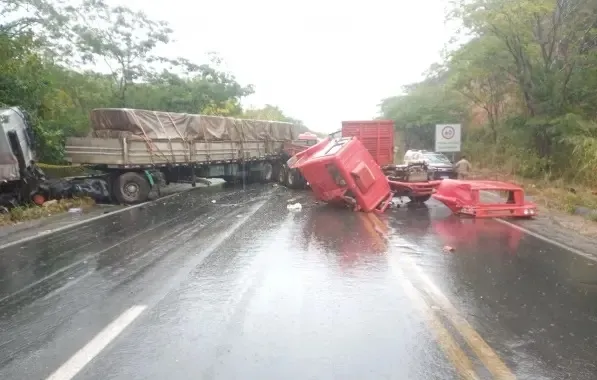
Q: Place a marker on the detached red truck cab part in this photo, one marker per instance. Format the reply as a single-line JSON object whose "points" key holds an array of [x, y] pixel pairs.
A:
{"points": [[481, 199], [342, 171]]}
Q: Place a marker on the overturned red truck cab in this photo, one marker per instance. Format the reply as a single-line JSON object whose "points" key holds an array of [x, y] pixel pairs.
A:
{"points": [[412, 180], [342, 171], [357, 170]]}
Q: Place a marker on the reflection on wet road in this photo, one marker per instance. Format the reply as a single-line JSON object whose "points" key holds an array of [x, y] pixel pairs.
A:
{"points": [[244, 289]]}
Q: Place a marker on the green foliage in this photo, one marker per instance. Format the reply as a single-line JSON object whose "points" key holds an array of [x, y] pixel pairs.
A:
{"points": [[526, 80], [46, 44]]}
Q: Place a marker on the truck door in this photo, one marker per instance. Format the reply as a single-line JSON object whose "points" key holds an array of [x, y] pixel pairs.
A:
{"points": [[15, 146]]}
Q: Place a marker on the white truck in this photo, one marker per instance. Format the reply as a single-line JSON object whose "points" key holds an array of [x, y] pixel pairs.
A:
{"points": [[19, 176]]}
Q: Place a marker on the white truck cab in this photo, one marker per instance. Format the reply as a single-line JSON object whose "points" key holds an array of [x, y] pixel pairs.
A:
{"points": [[16, 144]]}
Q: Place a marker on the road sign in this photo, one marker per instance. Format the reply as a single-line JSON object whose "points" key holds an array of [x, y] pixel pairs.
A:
{"points": [[447, 138]]}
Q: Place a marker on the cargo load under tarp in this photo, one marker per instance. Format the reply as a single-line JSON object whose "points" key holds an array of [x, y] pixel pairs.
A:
{"points": [[144, 124], [140, 138]]}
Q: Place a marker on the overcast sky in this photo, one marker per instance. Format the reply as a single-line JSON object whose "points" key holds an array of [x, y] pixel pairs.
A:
{"points": [[320, 61]]}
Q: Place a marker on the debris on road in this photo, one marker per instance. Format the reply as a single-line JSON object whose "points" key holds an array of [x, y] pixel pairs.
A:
{"points": [[294, 207], [49, 203]]}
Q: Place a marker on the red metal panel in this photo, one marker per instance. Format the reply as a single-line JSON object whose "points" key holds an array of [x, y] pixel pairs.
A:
{"points": [[463, 197], [376, 135]]}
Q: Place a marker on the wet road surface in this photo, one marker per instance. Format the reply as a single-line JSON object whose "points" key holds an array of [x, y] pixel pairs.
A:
{"points": [[242, 288]]}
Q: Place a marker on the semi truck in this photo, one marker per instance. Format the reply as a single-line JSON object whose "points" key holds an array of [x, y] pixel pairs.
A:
{"points": [[135, 149]]}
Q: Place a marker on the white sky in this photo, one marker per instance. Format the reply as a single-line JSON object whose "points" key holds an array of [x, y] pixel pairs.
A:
{"points": [[319, 61]]}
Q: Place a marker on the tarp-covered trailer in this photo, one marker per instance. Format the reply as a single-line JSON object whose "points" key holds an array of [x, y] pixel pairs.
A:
{"points": [[136, 146]]}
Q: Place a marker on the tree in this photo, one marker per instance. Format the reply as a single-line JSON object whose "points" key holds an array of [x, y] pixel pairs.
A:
{"points": [[124, 40], [480, 71], [531, 65], [548, 42], [421, 107], [45, 44]]}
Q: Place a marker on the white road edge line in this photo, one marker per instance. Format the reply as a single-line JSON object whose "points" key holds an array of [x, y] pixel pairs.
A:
{"points": [[548, 240], [544, 238], [76, 224], [86, 354]]}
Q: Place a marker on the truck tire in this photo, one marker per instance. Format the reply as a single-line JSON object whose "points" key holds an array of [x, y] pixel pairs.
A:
{"points": [[276, 166], [420, 198], [131, 187], [267, 172], [293, 179], [282, 173]]}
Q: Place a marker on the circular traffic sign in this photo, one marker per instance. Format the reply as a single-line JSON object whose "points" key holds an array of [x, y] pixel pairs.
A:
{"points": [[448, 132]]}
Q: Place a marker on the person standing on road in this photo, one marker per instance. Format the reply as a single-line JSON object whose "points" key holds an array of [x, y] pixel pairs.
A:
{"points": [[463, 167]]}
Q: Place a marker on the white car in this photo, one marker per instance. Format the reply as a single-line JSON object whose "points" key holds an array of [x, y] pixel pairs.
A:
{"points": [[414, 156], [438, 162]]}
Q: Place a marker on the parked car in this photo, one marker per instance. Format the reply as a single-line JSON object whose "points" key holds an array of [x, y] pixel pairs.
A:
{"points": [[441, 167]]}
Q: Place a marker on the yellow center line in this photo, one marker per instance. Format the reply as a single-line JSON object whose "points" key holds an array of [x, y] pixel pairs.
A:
{"points": [[459, 359], [486, 354]]}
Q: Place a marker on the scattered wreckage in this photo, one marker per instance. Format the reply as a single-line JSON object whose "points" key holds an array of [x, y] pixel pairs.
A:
{"points": [[343, 170], [134, 151]]}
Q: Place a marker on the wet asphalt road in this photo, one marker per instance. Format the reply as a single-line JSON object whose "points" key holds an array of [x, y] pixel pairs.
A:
{"points": [[245, 289]]}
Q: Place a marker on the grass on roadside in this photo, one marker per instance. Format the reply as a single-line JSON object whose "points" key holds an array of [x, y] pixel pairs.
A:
{"points": [[23, 213], [62, 171], [555, 195]]}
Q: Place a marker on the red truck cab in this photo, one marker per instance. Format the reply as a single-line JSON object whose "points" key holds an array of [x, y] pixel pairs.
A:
{"points": [[377, 136], [343, 171]]}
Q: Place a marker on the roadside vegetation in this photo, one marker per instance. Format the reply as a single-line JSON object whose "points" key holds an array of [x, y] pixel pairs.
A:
{"points": [[524, 87], [24, 213], [51, 53], [59, 60]]}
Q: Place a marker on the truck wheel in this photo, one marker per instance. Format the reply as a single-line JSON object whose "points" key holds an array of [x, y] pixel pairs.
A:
{"points": [[282, 173], [276, 171], [131, 187], [293, 180], [267, 172], [420, 198]]}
